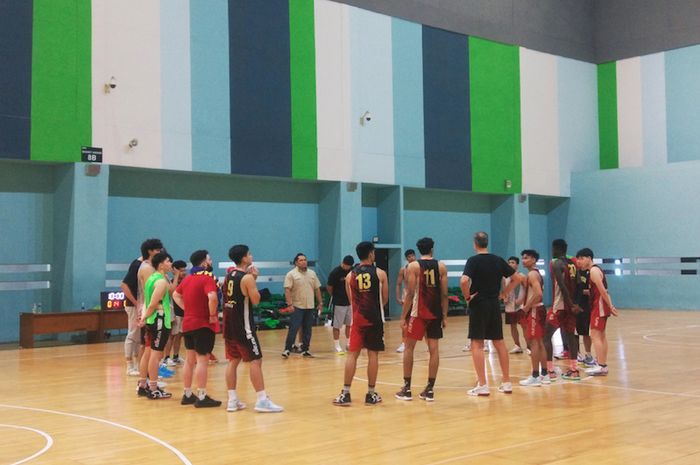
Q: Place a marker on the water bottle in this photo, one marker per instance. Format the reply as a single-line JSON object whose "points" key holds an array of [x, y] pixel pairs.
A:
{"points": [[34, 308], [82, 306], [38, 308]]}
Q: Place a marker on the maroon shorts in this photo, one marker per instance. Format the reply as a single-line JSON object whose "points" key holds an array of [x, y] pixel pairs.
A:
{"points": [[368, 337], [533, 323], [599, 322], [419, 328]]}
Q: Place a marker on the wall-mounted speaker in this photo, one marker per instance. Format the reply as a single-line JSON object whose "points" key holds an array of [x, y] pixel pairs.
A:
{"points": [[351, 187]]}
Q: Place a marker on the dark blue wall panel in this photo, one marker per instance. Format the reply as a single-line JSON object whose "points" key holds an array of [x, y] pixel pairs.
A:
{"points": [[261, 130], [15, 77], [446, 109]]}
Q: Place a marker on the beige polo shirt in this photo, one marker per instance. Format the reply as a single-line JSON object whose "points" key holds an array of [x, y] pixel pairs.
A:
{"points": [[302, 286]]}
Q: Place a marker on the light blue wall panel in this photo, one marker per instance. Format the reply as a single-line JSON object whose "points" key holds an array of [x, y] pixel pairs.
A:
{"points": [[683, 103], [650, 215], [654, 109], [175, 85], [211, 127], [274, 231], [371, 90], [578, 119], [409, 145], [369, 223]]}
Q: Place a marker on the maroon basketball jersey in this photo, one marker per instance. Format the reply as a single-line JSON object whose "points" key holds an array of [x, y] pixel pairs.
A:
{"points": [[366, 296], [426, 301]]}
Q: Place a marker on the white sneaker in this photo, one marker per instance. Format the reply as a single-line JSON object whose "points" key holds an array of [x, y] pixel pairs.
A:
{"points": [[531, 381], [594, 370], [467, 347], [479, 390], [339, 351], [267, 406], [506, 388], [544, 379], [234, 405], [516, 350], [133, 372], [528, 351], [170, 362], [401, 348], [162, 385]]}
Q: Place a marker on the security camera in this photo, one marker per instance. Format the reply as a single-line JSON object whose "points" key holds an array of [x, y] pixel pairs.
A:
{"points": [[365, 118], [111, 84], [133, 143]]}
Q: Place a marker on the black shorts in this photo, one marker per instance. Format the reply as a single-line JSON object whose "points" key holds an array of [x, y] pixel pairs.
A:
{"points": [[142, 335], [200, 340], [368, 337], [485, 320], [513, 318], [157, 334], [583, 322]]}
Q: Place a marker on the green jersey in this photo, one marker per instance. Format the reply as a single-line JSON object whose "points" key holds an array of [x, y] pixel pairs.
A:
{"points": [[148, 292]]}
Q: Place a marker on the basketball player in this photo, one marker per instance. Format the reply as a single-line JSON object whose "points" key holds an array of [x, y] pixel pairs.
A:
{"points": [[410, 255], [583, 319], [342, 314], [513, 314], [157, 317], [240, 338], [480, 286], [368, 289], [601, 308], [179, 273], [197, 294], [563, 312], [533, 318], [149, 248], [425, 308]]}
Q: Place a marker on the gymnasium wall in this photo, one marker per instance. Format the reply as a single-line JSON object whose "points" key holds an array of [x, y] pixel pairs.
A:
{"points": [[278, 88], [650, 225], [650, 109]]}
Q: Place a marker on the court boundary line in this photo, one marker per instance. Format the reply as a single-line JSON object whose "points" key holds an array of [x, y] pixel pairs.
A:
{"points": [[47, 446], [513, 446], [171, 448]]}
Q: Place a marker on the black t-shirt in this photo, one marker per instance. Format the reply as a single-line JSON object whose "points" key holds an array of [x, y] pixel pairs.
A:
{"points": [[337, 280], [582, 284], [485, 271], [132, 278]]}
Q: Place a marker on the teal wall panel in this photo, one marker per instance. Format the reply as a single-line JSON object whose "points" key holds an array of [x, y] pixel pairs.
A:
{"points": [[683, 103]]}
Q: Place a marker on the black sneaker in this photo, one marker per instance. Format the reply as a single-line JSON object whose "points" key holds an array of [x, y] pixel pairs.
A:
{"points": [[143, 391], [285, 354], [404, 394], [188, 400], [206, 402], [372, 398], [158, 393], [296, 349], [307, 354], [427, 395], [343, 399]]}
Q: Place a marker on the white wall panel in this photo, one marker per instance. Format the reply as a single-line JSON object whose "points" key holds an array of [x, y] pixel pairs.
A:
{"points": [[629, 113], [539, 122]]}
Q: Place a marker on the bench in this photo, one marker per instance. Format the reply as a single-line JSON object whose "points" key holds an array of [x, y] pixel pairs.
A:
{"points": [[95, 323]]}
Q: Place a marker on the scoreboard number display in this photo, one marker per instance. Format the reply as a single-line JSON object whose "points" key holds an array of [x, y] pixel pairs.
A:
{"points": [[112, 300]]}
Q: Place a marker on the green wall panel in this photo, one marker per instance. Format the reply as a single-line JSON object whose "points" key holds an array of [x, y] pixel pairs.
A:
{"points": [[303, 84], [61, 79], [607, 115], [494, 79]]}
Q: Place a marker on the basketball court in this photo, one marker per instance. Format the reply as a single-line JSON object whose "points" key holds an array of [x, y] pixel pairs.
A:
{"points": [[74, 405]]}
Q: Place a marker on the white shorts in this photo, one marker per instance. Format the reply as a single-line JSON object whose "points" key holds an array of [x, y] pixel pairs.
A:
{"points": [[176, 326], [342, 315]]}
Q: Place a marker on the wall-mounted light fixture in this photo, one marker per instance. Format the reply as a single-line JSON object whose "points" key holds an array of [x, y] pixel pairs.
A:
{"points": [[110, 85], [365, 118], [133, 143]]}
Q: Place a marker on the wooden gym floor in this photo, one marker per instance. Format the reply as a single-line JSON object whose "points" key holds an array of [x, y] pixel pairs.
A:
{"points": [[74, 405]]}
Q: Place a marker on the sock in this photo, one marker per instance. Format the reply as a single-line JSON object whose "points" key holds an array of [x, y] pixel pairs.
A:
{"points": [[535, 373], [201, 393], [550, 366], [261, 395], [142, 382], [346, 388], [232, 394], [153, 385], [370, 389], [188, 392], [543, 372], [407, 382], [176, 356], [337, 343], [431, 383]]}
